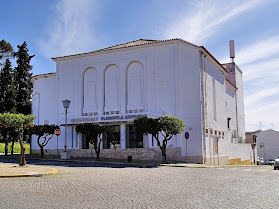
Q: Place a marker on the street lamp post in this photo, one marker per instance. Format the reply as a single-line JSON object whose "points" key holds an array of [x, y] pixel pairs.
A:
{"points": [[66, 105]]}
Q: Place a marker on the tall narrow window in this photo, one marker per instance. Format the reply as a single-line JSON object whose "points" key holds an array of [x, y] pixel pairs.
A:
{"points": [[112, 91], [135, 84], [133, 139], [228, 123], [90, 91], [214, 99]]}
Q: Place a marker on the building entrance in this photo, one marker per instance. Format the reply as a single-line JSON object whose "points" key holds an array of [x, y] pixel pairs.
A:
{"points": [[133, 139], [112, 139]]}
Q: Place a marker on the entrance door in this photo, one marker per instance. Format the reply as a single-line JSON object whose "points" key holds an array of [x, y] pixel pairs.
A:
{"points": [[112, 139], [85, 142], [133, 139]]}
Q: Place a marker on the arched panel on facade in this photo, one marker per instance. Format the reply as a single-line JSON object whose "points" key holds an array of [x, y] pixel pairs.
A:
{"points": [[90, 80], [135, 87], [112, 89]]}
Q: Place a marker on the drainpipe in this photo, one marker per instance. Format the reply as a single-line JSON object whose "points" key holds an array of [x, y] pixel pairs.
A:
{"points": [[236, 110], [202, 108]]}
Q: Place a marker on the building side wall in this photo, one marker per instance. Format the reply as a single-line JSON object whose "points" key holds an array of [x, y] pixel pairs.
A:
{"points": [[189, 100], [268, 144], [222, 144], [240, 105], [44, 104]]}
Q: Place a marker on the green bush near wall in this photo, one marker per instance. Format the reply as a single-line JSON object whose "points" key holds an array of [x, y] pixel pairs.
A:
{"points": [[16, 148]]}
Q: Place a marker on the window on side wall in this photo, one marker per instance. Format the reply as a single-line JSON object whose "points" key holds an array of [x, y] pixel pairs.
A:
{"points": [[228, 123]]}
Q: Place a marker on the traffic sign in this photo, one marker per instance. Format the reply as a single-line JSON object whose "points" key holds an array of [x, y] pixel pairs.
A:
{"points": [[57, 132], [187, 135]]}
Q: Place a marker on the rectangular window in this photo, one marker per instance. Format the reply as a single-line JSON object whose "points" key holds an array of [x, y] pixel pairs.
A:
{"points": [[85, 142], [77, 139], [228, 122], [133, 139], [112, 139], [216, 145], [73, 132], [214, 99]]}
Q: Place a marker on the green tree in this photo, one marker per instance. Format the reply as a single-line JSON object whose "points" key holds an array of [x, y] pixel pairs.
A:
{"points": [[167, 126], [6, 50], [6, 133], [7, 89], [18, 123], [44, 134], [23, 84], [94, 133]]}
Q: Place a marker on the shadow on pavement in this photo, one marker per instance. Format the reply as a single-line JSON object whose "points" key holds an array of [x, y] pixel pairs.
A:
{"points": [[76, 163]]}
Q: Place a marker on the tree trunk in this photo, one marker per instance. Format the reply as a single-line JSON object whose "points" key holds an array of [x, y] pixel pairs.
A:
{"points": [[6, 147], [97, 150], [42, 152], [12, 148], [98, 155], [164, 155], [21, 160]]}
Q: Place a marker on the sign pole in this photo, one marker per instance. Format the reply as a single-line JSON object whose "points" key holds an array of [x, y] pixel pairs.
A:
{"points": [[57, 147], [186, 151], [57, 132], [187, 136]]}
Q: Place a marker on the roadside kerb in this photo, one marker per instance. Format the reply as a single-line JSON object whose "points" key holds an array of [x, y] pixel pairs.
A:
{"points": [[188, 165], [193, 165], [9, 171]]}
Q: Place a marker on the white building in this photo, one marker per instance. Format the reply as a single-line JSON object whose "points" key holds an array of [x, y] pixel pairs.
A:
{"points": [[112, 86], [268, 144]]}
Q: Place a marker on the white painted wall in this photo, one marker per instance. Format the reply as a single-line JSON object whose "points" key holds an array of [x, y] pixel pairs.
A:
{"points": [[44, 103], [240, 103], [268, 144], [188, 98]]}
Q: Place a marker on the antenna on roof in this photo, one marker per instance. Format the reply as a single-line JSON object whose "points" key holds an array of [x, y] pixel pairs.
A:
{"points": [[232, 53], [260, 123]]}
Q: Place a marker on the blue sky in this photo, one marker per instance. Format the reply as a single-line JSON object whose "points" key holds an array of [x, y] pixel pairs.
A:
{"points": [[61, 27]]}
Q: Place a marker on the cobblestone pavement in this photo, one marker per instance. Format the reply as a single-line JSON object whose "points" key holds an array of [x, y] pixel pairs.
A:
{"points": [[87, 186]]}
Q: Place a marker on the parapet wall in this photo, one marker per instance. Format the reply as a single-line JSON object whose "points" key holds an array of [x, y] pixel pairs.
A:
{"points": [[173, 153]]}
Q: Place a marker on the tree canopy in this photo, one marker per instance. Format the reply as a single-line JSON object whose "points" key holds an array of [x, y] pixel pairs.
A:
{"points": [[6, 50], [167, 126], [15, 83], [18, 123], [23, 84], [94, 133], [44, 132], [7, 89]]}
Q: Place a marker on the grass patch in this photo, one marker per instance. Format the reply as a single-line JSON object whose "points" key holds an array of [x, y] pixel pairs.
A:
{"points": [[16, 148]]}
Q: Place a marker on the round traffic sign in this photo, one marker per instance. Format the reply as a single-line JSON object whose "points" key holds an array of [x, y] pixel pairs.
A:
{"points": [[187, 135], [57, 132]]}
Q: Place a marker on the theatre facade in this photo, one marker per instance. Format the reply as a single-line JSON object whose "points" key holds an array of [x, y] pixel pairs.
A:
{"points": [[115, 85]]}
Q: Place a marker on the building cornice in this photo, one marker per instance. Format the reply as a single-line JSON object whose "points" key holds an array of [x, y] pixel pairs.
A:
{"points": [[45, 75]]}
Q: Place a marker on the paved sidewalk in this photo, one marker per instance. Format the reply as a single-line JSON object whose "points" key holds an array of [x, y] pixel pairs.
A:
{"points": [[13, 170], [8, 170], [195, 165]]}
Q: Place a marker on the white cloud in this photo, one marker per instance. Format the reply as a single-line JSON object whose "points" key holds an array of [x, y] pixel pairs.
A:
{"points": [[262, 70], [257, 96], [204, 20], [267, 115], [71, 30], [260, 65]]}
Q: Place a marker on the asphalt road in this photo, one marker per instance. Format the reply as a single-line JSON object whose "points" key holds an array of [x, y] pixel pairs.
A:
{"points": [[88, 185]]}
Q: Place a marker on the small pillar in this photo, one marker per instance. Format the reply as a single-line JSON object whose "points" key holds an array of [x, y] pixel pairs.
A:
{"points": [[123, 136]]}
